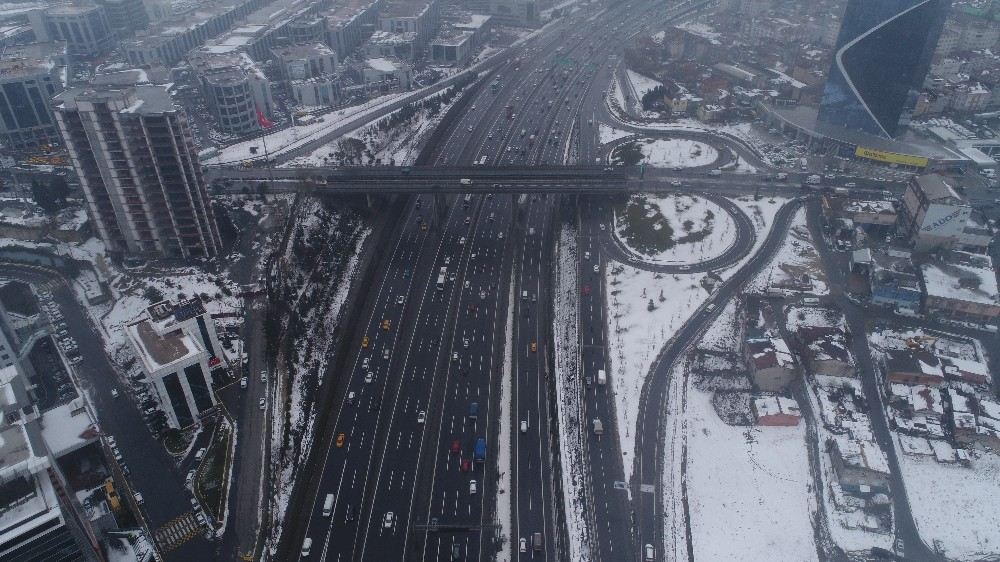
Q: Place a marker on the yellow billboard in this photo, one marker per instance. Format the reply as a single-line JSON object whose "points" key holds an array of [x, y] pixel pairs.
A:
{"points": [[891, 157]]}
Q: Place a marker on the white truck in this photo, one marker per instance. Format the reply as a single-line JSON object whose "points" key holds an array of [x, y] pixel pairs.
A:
{"points": [[465, 181], [598, 427]]}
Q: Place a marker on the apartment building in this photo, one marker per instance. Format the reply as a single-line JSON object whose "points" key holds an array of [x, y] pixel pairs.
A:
{"points": [[235, 90], [135, 157], [29, 77], [83, 27]]}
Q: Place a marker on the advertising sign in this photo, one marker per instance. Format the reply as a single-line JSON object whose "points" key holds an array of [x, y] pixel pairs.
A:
{"points": [[891, 157]]}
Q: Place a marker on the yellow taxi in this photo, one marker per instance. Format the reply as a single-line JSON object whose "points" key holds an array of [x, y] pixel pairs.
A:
{"points": [[341, 438], [534, 347], [386, 324], [364, 341]]}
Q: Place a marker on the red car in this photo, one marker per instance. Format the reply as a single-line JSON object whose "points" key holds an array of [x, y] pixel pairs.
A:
{"points": [[466, 465], [456, 447], [586, 289]]}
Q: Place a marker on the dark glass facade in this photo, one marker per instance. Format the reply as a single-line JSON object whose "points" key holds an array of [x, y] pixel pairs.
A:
{"points": [[882, 56]]}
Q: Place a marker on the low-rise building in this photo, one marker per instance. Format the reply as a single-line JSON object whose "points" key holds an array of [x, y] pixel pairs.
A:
{"points": [[772, 366], [966, 370], [174, 36], [177, 347], [894, 281], [348, 25], [452, 46], [860, 466], [962, 287], [386, 73], [913, 366], [776, 411], [300, 62], [824, 349]]}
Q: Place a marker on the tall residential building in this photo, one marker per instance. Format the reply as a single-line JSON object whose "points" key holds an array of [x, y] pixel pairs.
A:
{"points": [[134, 154], [29, 77], [882, 55]]}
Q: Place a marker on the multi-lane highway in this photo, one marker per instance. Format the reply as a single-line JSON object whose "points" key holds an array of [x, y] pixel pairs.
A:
{"points": [[402, 476]]}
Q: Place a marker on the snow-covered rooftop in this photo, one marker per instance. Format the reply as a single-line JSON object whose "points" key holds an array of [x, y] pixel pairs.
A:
{"points": [[963, 282]]}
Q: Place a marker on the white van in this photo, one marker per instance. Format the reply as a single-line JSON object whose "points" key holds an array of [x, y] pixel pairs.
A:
{"points": [[524, 295], [598, 427], [307, 547], [328, 505], [602, 377]]}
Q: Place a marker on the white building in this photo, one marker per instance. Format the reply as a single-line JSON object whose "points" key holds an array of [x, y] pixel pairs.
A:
{"points": [[384, 70], [41, 514], [177, 346], [934, 215], [235, 89]]}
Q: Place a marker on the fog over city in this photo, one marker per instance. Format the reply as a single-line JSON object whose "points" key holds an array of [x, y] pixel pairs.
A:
{"points": [[499, 280]]}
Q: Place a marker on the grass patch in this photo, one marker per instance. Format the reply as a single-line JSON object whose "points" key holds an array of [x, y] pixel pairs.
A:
{"points": [[213, 481], [642, 225], [628, 154]]}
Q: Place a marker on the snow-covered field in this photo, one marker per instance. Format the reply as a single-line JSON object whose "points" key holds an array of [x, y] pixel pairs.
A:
{"points": [[636, 334], [609, 134], [683, 153], [955, 508], [674, 228], [749, 488], [796, 257], [641, 83]]}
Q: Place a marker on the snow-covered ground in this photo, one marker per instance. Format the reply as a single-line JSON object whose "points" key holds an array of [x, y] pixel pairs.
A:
{"points": [[683, 153], [641, 84], [749, 488], [955, 508], [636, 334], [609, 134], [796, 257], [291, 138], [674, 228], [568, 394]]}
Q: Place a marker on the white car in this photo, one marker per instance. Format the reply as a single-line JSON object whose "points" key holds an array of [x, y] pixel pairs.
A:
{"points": [[675, 183], [261, 404], [465, 343], [603, 226], [365, 362], [369, 377], [263, 375], [524, 426], [138, 498], [597, 268], [114, 393], [523, 544], [387, 520], [400, 299], [421, 416], [650, 553], [473, 488]]}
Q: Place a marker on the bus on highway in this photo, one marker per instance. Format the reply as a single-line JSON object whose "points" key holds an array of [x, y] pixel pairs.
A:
{"points": [[479, 454], [441, 278]]}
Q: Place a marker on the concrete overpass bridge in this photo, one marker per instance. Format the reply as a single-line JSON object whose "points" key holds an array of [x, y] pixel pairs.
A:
{"points": [[390, 180]]}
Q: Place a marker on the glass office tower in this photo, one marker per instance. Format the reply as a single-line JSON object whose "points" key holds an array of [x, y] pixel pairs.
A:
{"points": [[882, 55]]}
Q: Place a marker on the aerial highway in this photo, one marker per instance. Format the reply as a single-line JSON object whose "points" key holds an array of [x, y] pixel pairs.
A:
{"points": [[409, 468]]}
